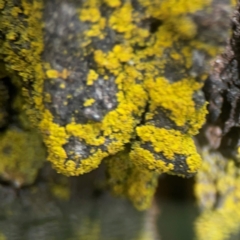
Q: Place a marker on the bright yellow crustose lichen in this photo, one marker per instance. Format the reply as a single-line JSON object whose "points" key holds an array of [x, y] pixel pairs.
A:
{"points": [[95, 86], [56, 140], [88, 102], [113, 3], [177, 98], [92, 75], [160, 140], [218, 193], [26, 61]]}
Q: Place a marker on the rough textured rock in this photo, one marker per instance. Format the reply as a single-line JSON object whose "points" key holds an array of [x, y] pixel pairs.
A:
{"points": [[102, 78]]}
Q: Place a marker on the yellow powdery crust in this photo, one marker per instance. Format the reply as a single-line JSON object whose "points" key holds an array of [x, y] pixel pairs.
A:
{"points": [[26, 62], [92, 75], [173, 8], [54, 137], [167, 142], [113, 3], [218, 193], [177, 98], [89, 102]]}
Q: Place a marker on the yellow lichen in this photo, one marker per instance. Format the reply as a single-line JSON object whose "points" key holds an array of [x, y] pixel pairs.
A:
{"points": [[92, 76], [90, 14], [54, 137], [113, 3], [181, 114], [177, 98], [137, 61], [52, 73], [167, 142], [142, 157], [112, 60], [26, 62], [121, 19], [218, 193], [87, 132], [89, 102], [125, 179], [168, 9]]}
